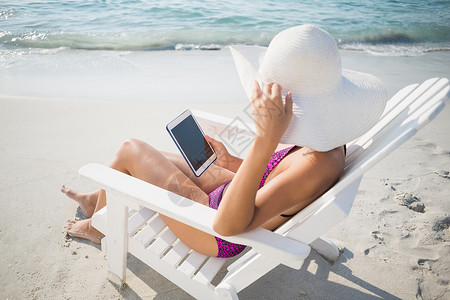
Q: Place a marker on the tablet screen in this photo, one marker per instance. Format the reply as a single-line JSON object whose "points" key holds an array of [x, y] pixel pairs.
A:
{"points": [[192, 141]]}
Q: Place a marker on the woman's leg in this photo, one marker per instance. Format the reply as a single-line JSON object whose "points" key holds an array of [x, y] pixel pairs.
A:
{"points": [[87, 201], [212, 178], [83, 228], [140, 160]]}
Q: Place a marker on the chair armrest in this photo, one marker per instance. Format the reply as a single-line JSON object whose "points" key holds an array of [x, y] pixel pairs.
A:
{"points": [[136, 193]]}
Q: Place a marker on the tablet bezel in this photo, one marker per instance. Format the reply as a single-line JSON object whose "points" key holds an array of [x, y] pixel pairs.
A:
{"points": [[176, 122]]}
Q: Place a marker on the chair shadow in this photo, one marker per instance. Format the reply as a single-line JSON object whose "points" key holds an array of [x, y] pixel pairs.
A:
{"points": [[125, 291], [340, 269], [290, 283], [302, 284], [163, 288]]}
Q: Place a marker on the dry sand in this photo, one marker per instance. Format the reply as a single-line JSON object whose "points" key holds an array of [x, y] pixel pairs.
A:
{"points": [[396, 239]]}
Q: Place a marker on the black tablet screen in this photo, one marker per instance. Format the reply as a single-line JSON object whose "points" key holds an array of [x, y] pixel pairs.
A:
{"points": [[192, 141]]}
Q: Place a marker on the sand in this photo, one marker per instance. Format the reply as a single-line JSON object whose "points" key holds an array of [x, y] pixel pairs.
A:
{"points": [[56, 117]]}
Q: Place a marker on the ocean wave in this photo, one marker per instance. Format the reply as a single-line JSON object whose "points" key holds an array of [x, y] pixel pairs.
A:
{"points": [[394, 49], [390, 38], [394, 43], [393, 35], [187, 39], [374, 43], [184, 47]]}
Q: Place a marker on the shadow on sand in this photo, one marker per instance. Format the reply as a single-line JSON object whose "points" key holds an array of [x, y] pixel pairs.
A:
{"points": [[290, 283]]}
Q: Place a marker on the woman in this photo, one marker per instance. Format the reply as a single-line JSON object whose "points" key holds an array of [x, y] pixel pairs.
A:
{"points": [[325, 108]]}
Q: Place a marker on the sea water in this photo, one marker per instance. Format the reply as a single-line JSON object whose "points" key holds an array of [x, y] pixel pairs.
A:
{"points": [[379, 27]]}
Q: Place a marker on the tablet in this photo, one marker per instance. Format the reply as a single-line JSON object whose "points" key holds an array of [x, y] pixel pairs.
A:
{"points": [[190, 140]]}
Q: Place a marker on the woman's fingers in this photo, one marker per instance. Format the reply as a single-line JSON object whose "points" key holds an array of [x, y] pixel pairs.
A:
{"points": [[268, 90], [214, 143], [217, 146], [271, 115], [257, 93], [223, 157], [272, 92], [288, 104], [276, 91]]}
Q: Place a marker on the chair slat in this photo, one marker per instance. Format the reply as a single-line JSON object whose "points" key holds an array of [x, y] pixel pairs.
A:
{"points": [[398, 98], [390, 105], [148, 233], [209, 270], [427, 92], [163, 242], [432, 98], [177, 253], [138, 219], [402, 102], [192, 263]]}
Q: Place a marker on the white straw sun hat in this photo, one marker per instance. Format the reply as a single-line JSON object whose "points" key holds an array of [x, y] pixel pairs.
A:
{"points": [[332, 106]]}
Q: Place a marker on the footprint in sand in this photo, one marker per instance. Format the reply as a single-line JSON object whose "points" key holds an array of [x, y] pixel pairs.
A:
{"points": [[410, 201], [377, 236], [380, 240], [389, 185], [442, 224], [367, 251]]}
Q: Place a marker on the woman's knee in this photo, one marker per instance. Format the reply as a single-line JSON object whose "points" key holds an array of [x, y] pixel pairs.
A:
{"points": [[130, 147], [129, 151]]}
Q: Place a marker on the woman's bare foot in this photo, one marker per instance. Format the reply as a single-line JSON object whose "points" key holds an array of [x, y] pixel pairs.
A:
{"points": [[87, 202], [83, 229]]}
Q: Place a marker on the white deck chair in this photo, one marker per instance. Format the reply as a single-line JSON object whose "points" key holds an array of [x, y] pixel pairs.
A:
{"points": [[144, 234]]}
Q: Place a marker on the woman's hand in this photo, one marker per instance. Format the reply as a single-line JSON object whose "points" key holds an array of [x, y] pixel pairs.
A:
{"points": [[224, 158], [271, 115], [237, 211]]}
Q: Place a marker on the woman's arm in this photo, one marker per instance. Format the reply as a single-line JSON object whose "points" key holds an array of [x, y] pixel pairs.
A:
{"points": [[236, 211]]}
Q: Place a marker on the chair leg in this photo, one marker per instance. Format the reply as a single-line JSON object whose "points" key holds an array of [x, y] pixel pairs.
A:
{"points": [[103, 244], [226, 291], [117, 242], [327, 249]]}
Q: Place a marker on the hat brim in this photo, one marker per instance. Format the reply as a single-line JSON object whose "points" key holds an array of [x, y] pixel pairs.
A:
{"points": [[322, 121]]}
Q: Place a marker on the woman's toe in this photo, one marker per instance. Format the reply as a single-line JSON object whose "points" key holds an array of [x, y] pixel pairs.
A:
{"points": [[63, 189]]}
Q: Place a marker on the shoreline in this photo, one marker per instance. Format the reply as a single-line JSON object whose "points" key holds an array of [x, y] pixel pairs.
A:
{"points": [[200, 76], [47, 134]]}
